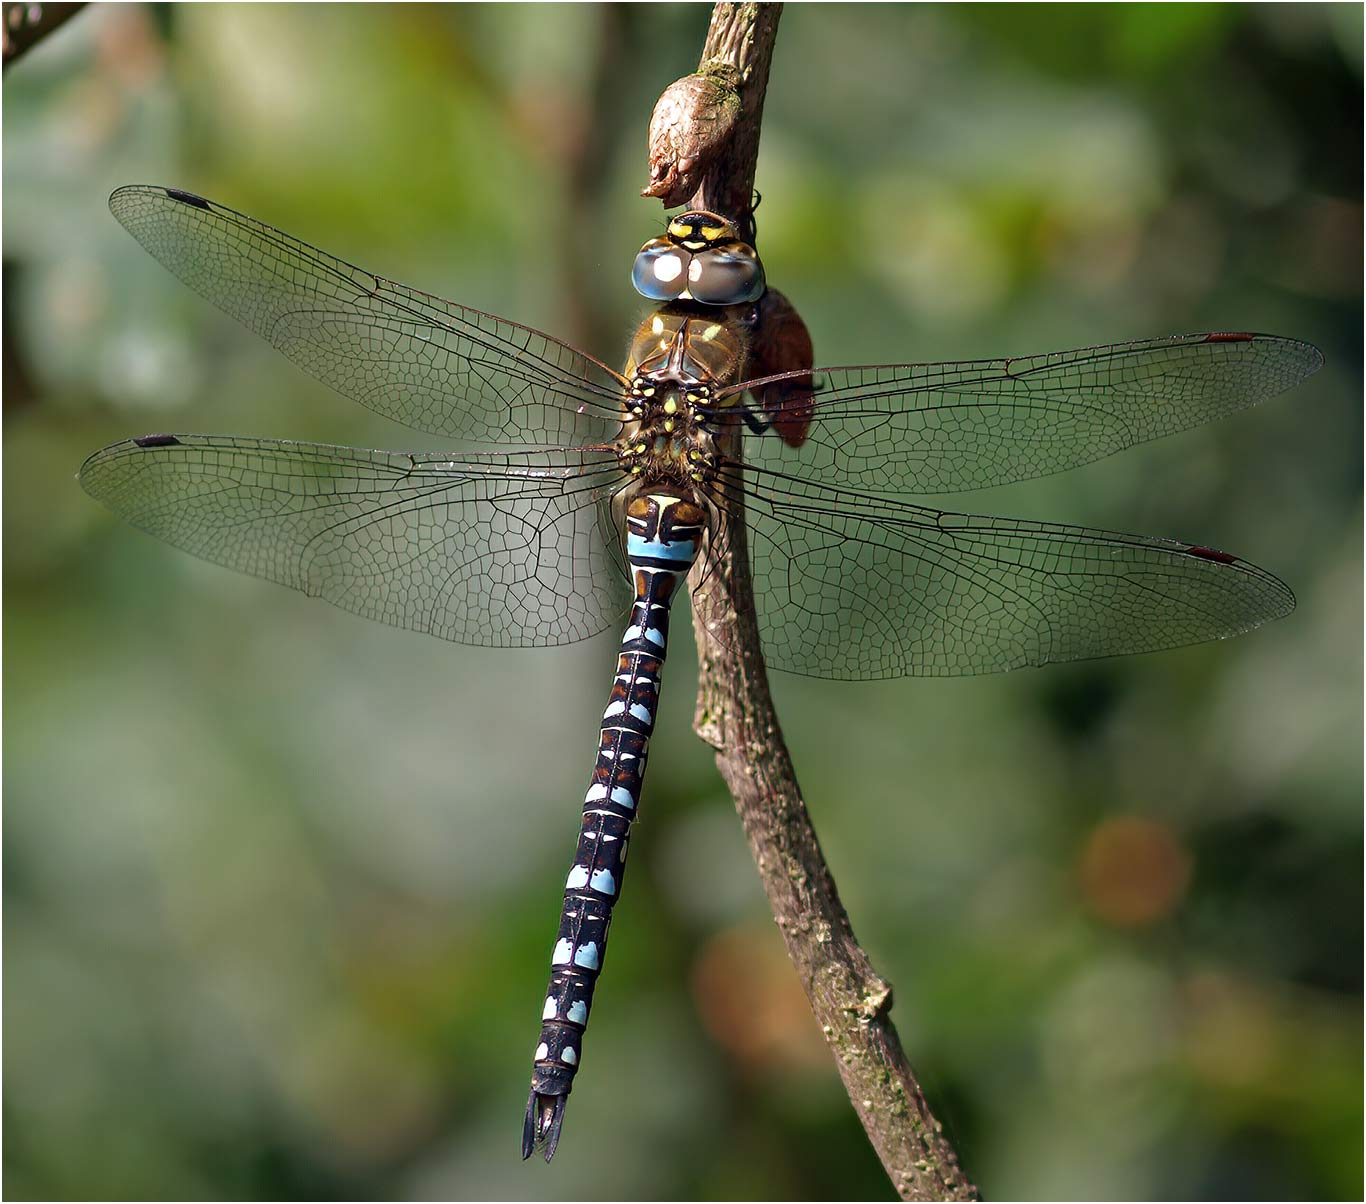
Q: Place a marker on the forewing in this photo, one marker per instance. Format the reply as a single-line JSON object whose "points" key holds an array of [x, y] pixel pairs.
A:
{"points": [[427, 363], [499, 550], [848, 586], [941, 428]]}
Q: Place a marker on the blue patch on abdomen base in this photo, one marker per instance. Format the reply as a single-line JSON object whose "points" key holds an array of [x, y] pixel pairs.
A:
{"points": [[683, 550]]}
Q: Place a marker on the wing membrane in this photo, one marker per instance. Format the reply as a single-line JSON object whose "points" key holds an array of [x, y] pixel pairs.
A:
{"points": [[941, 428], [427, 363], [848, 586], [501, 550]]}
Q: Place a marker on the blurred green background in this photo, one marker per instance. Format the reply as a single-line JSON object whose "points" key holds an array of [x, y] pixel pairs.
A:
{"points": [[281, 884]]}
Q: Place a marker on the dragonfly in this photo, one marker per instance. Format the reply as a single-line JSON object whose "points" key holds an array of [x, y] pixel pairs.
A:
{"points": [[570, 498]]}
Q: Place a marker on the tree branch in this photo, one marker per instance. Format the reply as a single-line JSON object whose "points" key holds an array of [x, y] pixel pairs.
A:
{"points": [[24, 25], [735, 713]]}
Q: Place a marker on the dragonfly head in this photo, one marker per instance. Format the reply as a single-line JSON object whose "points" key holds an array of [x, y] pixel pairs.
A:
{"points": [[697, 230], [700, 259]]}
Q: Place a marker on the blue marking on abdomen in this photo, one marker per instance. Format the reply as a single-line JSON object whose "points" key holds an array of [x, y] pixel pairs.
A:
{"points": [[683, 550]]}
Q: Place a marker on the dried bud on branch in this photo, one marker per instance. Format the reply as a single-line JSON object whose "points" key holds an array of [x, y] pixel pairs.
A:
{"points": [[692, 123]]}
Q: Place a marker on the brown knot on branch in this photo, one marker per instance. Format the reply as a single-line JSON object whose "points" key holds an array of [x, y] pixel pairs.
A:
{"points": [[704, 135], [876, 1002], [692, 122]]}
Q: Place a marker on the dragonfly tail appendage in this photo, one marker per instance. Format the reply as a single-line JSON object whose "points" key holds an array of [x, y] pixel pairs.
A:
{"points": [[544, 1119], [664, 533]]}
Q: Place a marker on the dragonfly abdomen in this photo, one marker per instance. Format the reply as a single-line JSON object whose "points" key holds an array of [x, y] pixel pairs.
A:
{"points": [[663, 535]]}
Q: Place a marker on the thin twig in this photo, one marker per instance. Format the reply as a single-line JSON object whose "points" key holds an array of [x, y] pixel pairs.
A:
{"points": [[24, 25], [735, 715]]}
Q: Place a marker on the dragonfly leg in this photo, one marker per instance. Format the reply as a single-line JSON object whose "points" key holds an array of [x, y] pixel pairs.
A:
{"points": [[757, 424]]}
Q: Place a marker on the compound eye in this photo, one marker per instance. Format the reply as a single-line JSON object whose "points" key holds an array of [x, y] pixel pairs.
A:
{"points": [[660, 271], [726, 277]]}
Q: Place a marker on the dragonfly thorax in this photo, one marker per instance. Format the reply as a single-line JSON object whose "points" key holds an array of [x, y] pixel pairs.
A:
{"points": [[686, 346], [665, 438], [679, 360]]}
